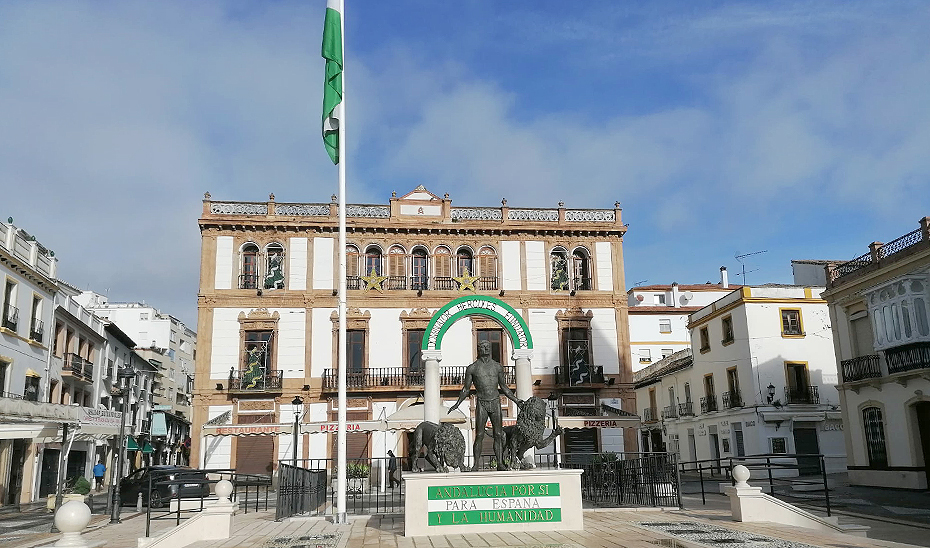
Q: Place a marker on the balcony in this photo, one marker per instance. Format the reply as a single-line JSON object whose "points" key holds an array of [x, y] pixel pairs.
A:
{"points": [[486, 283], [10, 317], [444, 283], [808, 395], [399, 378], [863, 367], [686, 409], [246, 381], [579, 375], [732, 400], [908, 357], [37, 330], [670, 412], [248, 281], [708, 404], [78, 368], [395, 282], [650, 415]]}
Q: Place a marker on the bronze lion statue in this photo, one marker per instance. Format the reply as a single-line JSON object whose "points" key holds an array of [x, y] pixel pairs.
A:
{"points": [[528, 432], [444, 445]]}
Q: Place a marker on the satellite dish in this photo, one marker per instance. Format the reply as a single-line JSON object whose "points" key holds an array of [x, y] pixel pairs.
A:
{"points": [[688, 295], [639, 298]]}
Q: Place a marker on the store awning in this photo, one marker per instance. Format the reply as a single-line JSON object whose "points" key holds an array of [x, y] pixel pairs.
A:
{"points": [[408, 418], [132, 445]]}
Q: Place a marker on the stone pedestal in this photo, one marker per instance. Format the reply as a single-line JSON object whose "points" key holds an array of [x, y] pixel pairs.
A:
{"points": [[492, 501]]}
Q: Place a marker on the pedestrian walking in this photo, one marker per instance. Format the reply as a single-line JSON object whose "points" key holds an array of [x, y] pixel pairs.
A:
{"points": [[392, 468], [99, 470]]}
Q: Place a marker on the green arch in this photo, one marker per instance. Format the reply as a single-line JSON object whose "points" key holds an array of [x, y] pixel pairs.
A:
{"points": [[477, 305]]}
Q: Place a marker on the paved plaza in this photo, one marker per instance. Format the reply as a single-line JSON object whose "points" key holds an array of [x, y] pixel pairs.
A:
{"points": [[607, 528]]}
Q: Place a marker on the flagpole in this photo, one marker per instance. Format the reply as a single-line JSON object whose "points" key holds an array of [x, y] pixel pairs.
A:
{"points": [[341, 482]]}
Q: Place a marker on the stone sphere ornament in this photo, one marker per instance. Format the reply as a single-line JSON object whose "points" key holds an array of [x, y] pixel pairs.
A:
{"points": [[223, 489], [741, 475], [71, 519]]}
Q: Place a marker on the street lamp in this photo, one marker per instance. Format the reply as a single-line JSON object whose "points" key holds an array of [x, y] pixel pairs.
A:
{"points": [[123, 375], [553, 405], [771, 390], [298, 404]]}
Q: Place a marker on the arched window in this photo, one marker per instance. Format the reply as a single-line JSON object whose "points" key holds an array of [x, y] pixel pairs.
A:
{"points": [[558, 268], [581, 270], [352, 267], [464, 262], [248, 275], [397, 268], [274, 268], [442, 265], [419, 269], [874, 437], [373, 261], [487, 266]]}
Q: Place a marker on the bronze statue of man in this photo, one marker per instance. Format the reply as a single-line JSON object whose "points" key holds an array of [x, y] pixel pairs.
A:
{"points": [[487, 376]]}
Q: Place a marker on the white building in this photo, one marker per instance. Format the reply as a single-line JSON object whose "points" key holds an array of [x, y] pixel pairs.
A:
{"points": [[879, 307], [659, 317], [50, 374], [761, 378], [168, 345]]}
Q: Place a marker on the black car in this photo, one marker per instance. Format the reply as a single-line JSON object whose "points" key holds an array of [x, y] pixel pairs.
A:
{"points": [[166, 481]]}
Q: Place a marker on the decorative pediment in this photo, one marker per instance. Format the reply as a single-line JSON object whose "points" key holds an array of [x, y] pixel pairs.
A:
{"points": [[355, 318], [259, 318], [575, 313], [420, 193]]}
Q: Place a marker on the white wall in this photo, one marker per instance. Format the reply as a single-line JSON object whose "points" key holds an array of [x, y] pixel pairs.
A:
{"points": [[216, 451], [604, 350], [545, 330], [511, 278], [297, 264], [323, 268], [224, 262], [536, 269], [290, 343], [605, 269]]}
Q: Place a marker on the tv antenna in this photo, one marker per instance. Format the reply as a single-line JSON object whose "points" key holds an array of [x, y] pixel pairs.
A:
{"points": [[740, 258], [639, 283]]}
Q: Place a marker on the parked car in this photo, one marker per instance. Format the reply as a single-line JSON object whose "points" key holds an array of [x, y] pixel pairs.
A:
{"points": [[166, 481]]}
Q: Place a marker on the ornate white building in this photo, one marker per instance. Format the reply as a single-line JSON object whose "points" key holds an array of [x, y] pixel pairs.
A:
{"points": [[267, 321], [879, 310]]}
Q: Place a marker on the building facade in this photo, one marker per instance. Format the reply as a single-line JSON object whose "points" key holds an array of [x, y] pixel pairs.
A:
{"points": [[659, 317], [759, 378], [879, 310], [268, 320]]}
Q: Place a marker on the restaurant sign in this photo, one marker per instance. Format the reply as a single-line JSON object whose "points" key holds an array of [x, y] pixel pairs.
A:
{"points": [[498, 503]]}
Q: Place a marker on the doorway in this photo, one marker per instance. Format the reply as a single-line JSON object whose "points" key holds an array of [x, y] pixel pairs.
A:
{"points": [[923, 425], [805, 443], [17, 463]]}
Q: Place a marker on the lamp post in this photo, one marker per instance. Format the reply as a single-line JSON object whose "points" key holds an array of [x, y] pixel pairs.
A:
{"points": [[553, 405], [771, 392], [298, 404], [122, 376]]}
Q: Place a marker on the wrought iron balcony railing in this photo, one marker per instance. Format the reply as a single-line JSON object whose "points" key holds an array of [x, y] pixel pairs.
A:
{"points": [[248, 281], [37, 330], [670, 412], [419, 282], [708, 404], [10, 317], [245, 380], [863, 367], [908, 357], [579, 375], [802, 395], [78, 367], [650, 415], [732, 400], [686, 409], [377, 378]]}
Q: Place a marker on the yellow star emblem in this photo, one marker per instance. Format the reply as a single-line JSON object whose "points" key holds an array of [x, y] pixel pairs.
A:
{"points": [[466, 281], [373, 280]]}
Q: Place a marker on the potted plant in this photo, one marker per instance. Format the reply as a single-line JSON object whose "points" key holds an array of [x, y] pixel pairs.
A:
{"points": [[75, 489]]}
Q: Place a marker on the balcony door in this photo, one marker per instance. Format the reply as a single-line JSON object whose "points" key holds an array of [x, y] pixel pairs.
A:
{"points": [[798, 382], [496, 338], [355, 351]]}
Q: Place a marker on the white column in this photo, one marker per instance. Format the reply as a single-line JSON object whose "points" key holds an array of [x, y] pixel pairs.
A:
{"points": [[524, 370], [432, 403]]}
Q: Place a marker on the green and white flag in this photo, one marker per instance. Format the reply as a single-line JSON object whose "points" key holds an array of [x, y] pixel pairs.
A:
{"points": [[332, 87]]}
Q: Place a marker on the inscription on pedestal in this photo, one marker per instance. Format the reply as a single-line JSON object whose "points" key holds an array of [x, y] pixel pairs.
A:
{"points": [[494, 503]]}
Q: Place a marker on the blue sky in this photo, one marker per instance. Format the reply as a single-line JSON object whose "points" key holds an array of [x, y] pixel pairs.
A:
{"points": [[799, 128]]}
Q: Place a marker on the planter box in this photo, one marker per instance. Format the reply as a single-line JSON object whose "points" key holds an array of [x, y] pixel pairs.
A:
{"points": [[354, 486], [68, 497]]}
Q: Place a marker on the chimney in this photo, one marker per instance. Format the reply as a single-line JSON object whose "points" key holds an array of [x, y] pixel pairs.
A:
{"points": [[675, 302], [724, 280]]}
